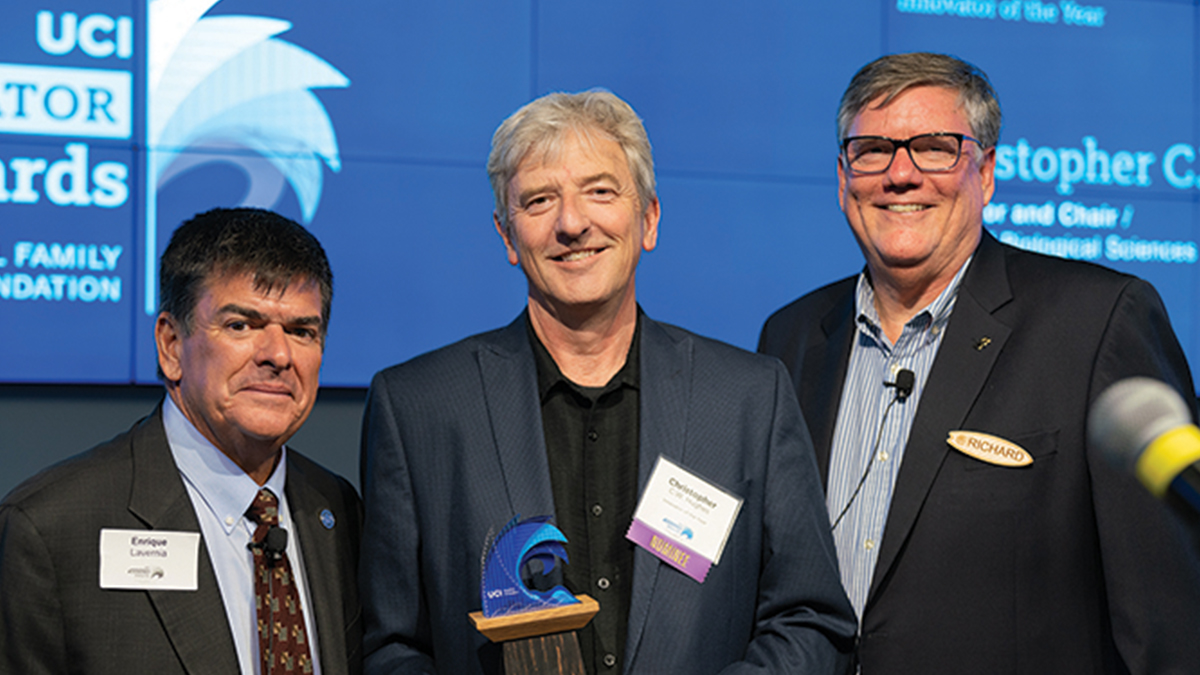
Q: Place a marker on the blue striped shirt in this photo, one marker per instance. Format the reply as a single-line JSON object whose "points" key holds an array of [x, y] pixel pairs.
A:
{"points": [[867, 431]]}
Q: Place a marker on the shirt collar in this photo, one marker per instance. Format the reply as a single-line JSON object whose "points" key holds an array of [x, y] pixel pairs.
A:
{"points": [[549, 374], [936, 313], [226, 490]]}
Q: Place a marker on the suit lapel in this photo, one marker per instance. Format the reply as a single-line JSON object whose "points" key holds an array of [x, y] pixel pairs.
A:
{"points": [[509, 375], [824, 375], [195, 622], [321, 567], [957, 377], [510, 388], [665, 387]]}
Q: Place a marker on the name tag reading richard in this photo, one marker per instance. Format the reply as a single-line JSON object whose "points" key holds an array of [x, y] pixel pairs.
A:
{"points": [[149, 559], [683, 519]]}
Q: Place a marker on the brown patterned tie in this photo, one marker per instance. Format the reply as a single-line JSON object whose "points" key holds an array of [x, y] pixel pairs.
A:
{"points": [[282, 638]]}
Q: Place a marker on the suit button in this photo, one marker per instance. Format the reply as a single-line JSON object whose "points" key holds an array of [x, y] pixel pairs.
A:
{"points": [[597, 510], [603, 583], [592, 435], [610, 660]]}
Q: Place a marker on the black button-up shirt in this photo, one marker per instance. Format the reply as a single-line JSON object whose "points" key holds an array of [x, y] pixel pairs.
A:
{"points": [[592, 448]]}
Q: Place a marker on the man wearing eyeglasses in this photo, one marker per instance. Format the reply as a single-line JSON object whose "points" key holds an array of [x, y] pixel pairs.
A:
{"points": [[1026, 552]]}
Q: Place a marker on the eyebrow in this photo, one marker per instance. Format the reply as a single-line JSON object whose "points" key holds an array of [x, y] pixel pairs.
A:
{"points": [[603, 175], [255, 315], [589, 180]]}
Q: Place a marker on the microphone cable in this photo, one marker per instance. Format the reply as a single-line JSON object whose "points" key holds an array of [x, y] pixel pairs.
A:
{"points": [[905, 379]]}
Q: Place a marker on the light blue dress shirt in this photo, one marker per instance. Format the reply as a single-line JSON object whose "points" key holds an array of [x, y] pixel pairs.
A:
{"points": [[221, 492], [867, 432]]}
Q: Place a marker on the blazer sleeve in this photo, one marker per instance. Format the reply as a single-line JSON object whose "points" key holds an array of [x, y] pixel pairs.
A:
{"points": [[32, 639], [397, 633], [1151, 567], [803, 622]]}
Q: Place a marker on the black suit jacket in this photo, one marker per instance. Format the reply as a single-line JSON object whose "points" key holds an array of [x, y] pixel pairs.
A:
{"points": [[55, 617], [454, 448], [1065, 566]]}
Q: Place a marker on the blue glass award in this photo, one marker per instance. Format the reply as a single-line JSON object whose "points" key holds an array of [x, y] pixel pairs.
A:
{"points": [[518, 544], [537, 628]]}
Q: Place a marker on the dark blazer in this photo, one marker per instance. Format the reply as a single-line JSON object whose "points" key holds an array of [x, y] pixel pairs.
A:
{"points": [[454, 448], [55, 617], [1065, 566]]}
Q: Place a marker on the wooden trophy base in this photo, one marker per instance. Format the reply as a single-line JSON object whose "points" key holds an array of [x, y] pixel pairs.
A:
{"points": [[556, 654], [541, 642]]}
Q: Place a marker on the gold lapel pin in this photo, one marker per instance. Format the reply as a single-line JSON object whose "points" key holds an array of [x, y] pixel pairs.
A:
{"points": [[983, 342]]}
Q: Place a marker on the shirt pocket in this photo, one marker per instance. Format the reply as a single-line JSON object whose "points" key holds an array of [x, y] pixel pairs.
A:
{"points": [[1009, 488]]}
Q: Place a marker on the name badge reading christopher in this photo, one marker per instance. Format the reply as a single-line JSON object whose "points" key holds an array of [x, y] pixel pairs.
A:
{"points": [[149, 559], [683, 519], [988, 448]]}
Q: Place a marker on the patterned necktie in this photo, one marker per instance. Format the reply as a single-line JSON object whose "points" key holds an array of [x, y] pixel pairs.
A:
{"points": [[282, 638]]}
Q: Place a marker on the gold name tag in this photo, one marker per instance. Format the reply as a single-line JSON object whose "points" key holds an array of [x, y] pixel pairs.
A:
{"points": [[989, 448]]}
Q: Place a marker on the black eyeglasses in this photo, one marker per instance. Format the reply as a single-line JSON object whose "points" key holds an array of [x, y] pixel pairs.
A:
{"points": [[931, 153]]}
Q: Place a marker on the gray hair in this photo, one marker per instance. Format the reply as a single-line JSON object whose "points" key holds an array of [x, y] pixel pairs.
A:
{"points": [[891, 75], [540, 125]]}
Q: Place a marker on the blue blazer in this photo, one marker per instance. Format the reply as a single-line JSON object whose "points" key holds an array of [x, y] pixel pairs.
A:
{"points": [[453, 448], [1064, 566]]}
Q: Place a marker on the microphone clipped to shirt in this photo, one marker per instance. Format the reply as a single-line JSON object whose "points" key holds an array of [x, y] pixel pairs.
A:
{"points": [[905, 380], [274, 544], [904, 383], [1145, 426]]}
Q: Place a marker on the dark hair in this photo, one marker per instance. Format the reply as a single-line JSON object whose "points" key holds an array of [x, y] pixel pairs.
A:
{"points": [[275, 250], [891, 75]]}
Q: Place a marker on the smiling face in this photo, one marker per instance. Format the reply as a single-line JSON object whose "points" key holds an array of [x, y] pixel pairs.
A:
{"points": [[920, 225], [577, 228], [246, 374]]}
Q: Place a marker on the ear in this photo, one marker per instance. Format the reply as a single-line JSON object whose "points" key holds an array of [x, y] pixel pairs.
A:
{"points": [[987, 175], [169, 339], [841, 171], [650, 225], [512, 251]]}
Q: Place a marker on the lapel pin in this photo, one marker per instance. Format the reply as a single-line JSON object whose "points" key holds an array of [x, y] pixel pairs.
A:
{"points": [[983, 342], [327, 519]]}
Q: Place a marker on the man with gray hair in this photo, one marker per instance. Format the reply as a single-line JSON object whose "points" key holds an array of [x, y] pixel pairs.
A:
{"points": [[947, 388], [564, 413]]}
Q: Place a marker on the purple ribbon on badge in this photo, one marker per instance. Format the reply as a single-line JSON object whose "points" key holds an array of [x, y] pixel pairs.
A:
{"points": [[669, 550]]}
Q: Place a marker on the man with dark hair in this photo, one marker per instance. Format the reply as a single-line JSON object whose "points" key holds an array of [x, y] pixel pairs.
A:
{"points": [[197, 542], [565, 413], [947, 388]]}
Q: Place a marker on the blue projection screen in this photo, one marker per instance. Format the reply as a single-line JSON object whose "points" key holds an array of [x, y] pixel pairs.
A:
{"points": [[370, 122]]}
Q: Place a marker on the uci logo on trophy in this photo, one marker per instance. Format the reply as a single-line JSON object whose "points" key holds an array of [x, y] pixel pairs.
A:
{"points": [[531, 624]]}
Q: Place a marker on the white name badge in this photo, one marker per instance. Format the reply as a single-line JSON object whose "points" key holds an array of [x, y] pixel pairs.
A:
{"points": [[683, 519], [149, 559]]}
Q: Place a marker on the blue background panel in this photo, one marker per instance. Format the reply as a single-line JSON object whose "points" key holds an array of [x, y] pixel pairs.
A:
{"points": [[739, 102], [746, 247], [66, 272], [724, 88]]}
